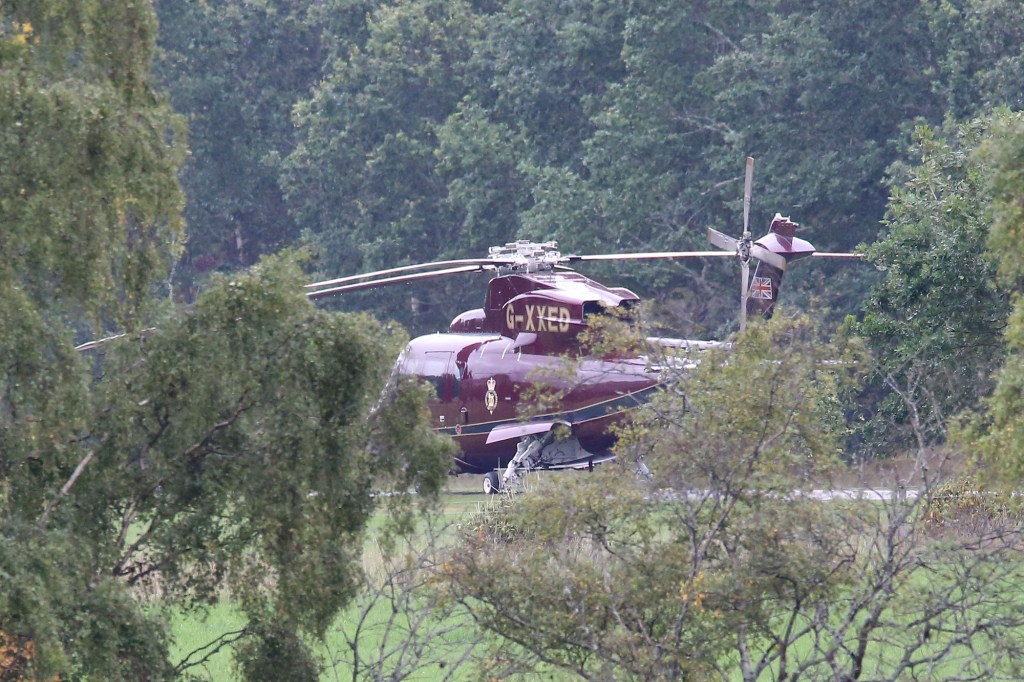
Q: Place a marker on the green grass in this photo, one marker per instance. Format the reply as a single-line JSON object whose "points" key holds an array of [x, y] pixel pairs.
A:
{"points": [[193, 632], [461, 500]]}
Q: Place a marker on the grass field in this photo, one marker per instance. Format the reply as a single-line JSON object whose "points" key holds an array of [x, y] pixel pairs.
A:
{"points": [[461, 500], [194, 632]]}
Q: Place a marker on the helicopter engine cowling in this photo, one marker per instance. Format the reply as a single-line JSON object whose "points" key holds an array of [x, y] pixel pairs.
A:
{"points": [[553, 306], [470, 322]]}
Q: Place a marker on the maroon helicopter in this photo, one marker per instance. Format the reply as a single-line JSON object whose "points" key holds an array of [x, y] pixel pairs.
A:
{"points": [[535, 307]]}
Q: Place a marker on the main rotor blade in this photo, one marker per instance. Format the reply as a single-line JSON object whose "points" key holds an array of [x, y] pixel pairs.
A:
{"points": [[723, 241], [818, 254], [92, 345], [769, 257], [748, 185], [409, 268], [649, 255], [395, 280]]}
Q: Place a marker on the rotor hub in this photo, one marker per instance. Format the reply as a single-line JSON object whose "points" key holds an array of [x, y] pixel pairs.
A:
{"points": [[527, 256], [743, 249]]}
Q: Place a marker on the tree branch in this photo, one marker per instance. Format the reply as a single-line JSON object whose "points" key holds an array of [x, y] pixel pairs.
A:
{"points": [[66, 487]]}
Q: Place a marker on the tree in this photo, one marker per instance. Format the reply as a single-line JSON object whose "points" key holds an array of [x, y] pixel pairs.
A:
{"points": [[90, 200], [401, 626], [90, 211], [821, 99], [550, 63], [230, 447], [978, 45], [236, 69], [639, 178], [425, 129], [936, 320], [483, 163], [996, 433], [364, 177], [368, 130], [233, 451]]}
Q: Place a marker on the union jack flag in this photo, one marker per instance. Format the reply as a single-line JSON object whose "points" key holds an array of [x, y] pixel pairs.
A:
{"points": [[761, 288]]}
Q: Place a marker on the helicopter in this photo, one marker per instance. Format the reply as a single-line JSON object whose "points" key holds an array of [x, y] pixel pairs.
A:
{"points": [[485, 367]]}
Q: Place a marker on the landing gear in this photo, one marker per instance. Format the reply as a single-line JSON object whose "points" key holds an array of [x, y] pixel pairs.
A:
{"points": [[525, 459], [549, 450]]}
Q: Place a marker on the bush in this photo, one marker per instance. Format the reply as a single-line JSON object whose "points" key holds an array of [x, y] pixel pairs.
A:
{"points": [[962, 504]]}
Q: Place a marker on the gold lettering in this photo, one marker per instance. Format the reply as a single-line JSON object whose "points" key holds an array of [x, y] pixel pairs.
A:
{"points": [[563, 319], [540, 318]]}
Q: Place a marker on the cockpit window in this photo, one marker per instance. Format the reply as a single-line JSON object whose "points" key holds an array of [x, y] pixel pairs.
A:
{"points": [[433, 368], [625, 311]]}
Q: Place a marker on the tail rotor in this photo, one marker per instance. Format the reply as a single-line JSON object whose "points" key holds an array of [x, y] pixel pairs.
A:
{"points": [[774, 251]]}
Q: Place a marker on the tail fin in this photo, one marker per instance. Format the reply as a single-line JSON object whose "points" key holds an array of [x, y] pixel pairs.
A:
{"points": [[764, 286]]}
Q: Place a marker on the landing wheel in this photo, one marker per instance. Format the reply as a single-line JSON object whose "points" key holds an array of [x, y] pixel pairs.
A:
{"points": [[491, 483]]}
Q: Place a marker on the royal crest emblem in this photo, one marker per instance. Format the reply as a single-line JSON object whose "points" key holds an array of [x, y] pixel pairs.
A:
{"points": [[491, 397]]}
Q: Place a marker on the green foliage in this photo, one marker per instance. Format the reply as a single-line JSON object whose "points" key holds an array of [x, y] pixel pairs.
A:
{"points": [[274, 654], [430, 129], [236, 69], [614, 578], [1004, 152], [89, 197], [365, 170], [964, 505], [364, 179], [481, 161], [935, 322], [642, 178], [997, 433], [231, 448], [819, 98], [89, 201], [767, 412], [76, 619], [269, 458], [979, 48], [550, 63]]}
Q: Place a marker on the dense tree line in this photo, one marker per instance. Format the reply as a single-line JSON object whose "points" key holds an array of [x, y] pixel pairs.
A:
{"points": [[396, 132]]}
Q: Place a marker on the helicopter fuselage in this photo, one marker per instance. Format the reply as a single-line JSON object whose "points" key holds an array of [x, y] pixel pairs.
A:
{"points": [[490, 394], [515, 369]]}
